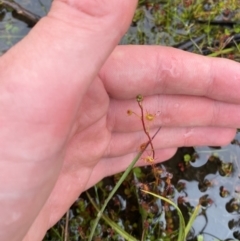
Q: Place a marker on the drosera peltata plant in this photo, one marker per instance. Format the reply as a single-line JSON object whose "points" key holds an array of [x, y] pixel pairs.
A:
{"points": [[139, 99], [145, 119]]}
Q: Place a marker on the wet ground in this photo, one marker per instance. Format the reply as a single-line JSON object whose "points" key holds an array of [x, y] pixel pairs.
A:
{"points": [[14, 26]]}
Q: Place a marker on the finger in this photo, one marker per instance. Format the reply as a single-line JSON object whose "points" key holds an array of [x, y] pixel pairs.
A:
{"points": [[109, 166], [175, 111], [125, 143], [149, 70]]}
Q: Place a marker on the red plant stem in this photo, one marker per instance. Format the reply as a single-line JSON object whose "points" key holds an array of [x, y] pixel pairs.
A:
{"points": [[145, 129]]}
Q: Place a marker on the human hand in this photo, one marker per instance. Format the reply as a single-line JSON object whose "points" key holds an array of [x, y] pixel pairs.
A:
{"points": [[63, 120]]}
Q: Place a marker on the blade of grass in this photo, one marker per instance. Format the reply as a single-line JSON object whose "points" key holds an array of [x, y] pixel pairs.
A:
{"points": [[223, 51], [181, 235], [192, 219], [125, 174], [112, 224], [57, 234]]}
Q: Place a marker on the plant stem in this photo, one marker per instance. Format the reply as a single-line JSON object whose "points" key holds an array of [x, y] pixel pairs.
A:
{"points": [[66, 226], [125, 174], [145, 129]]}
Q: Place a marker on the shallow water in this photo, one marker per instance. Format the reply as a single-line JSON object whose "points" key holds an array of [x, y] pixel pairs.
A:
{"points": [[13, 30]]}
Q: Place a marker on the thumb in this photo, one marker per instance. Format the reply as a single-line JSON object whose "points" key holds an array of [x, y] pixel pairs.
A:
{"points": [[89, 30], [67, 47]]}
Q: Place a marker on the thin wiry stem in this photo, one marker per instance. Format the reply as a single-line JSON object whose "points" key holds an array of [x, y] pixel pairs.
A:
{"points": [[139, 100], [66, 227], [123, 177]]}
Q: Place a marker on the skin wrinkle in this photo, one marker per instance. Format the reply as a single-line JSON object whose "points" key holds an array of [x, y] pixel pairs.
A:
{"points": [[172, 69], [187, 136], [165, 116], [168, 71], [214, 113], [111, 116], [210, 82], [160, 80]]}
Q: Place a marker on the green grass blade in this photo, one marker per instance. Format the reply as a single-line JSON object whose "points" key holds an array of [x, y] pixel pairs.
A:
{"points": [[57, 233], [181, 235], [100, 213], [112, 224], [223, 51], [192, 219]]}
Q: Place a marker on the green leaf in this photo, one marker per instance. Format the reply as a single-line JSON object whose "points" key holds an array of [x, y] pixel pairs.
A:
{"points": [[181, 234]]}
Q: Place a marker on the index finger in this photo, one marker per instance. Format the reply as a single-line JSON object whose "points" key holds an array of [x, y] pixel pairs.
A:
{"points": [[149, 70]]}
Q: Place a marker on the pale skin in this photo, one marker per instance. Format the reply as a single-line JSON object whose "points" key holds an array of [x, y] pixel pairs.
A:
{"points": [[64, 94]]}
